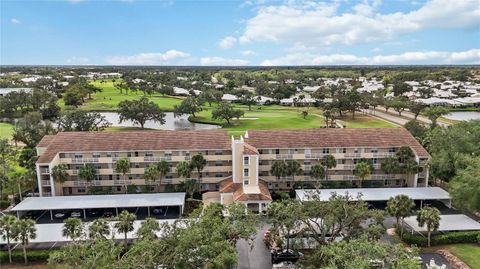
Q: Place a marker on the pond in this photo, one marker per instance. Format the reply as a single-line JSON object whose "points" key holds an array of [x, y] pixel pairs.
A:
{"points": [[171, 123], [463, 115]]}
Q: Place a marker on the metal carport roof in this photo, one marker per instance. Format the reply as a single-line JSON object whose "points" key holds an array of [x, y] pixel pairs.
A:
{"points": [[458, 222], [101, 201], [378, 194]]}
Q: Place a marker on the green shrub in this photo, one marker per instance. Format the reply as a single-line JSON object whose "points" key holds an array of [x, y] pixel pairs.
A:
{"points": [[33, 255], [4, 204], [442, 239]]}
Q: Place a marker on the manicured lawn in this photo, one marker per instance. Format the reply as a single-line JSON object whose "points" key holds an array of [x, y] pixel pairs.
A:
{"points": [[109, 97], [364, 121], [6, 130], [468, 253]]}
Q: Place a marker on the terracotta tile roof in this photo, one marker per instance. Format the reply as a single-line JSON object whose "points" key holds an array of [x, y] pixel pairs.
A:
{"points": [[249, 149], [46, 140], [133, 140], [227, 186], [334, 137]]}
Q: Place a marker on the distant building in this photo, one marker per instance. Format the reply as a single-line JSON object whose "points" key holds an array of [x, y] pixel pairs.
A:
{"points": [[5, 91]]}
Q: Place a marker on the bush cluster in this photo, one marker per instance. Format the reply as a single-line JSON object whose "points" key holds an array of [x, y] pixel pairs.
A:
{"points": [[33, 255], [443, 239]]}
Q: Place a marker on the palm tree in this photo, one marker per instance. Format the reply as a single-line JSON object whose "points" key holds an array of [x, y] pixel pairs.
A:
{"points": [[59, 173], [87, 172], [23, 231], [7, 224], [148, 229], [318, 173], [278, 169], [151, 173], [191, 187], [123, 167], [293, 168], [329, 162], [390, 165], [73, 228], [98, 229], [163, 169], [362, 171], [20, 178], [400, 206], [125, 224], [198, 162], [430, 217], [184, 169]]}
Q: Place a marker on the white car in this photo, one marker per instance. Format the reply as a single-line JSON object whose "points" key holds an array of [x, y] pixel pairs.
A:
{"points": [[75, 214], [59, 215]]}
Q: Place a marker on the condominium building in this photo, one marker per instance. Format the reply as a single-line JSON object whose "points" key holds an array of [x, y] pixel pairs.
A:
{"points": [[238, 169]]}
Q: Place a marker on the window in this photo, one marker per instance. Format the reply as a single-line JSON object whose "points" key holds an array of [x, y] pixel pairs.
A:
{"points": [[109, 154], [342, 161], [218, 175], [344, 150], [96, 155], [246, 172], [392, 150], [246, 160], [374, 150], [137, 165], [110, 177], [218, 163], [326, 151], [306, 162], [148, 154], [375, 161], [98, 166], [129, 154], [119, 188], [118, 177], [246, 182], [356, 150], [168, 156], [277, 151], [82, 190], [260, 151], [78, 156], [218, 152]]}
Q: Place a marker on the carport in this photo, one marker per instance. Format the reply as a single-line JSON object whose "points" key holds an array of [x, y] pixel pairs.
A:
{"points": [[448, 223], [117, 202], [379, 194]]}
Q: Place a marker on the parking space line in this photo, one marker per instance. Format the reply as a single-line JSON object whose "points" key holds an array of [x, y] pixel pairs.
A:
{"points": [[36, 220]]}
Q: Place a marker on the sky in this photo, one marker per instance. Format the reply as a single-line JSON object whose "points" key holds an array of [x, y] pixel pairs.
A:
{"points": [[250, 33]]}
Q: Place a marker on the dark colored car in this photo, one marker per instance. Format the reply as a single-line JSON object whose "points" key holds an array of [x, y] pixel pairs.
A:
{"points": [[285, 255]]}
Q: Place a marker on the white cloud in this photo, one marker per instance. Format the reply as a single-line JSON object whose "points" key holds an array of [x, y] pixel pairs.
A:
{"points": [[78, 60], [417, 57], [15, 21], [170, 57], [219, 61], [249, 53], [376, 50], [227, 42], [321, 24]]}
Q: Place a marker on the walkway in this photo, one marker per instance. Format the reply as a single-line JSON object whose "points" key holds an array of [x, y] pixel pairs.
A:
{"points": [[257, 257]]}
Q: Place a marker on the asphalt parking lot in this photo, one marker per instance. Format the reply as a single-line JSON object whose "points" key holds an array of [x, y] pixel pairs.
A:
{"points": [[163, 212]]}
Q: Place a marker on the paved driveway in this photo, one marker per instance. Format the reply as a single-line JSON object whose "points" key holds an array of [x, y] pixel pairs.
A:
{"points": [[256, 258]]}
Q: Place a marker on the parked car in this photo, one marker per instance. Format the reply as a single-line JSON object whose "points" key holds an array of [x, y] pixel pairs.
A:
{"points": [[75, 214], [107, 214], [285, 255], [93, 213], [59, 215], [158, 211]]}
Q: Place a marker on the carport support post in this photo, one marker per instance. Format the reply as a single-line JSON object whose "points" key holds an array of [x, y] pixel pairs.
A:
{"points": [[51, 215], [84, 214], [148, 210], [421, 204], [116, 211]]}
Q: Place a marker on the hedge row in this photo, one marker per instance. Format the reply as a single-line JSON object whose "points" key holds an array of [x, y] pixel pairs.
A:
{"points": [[442, 239], [33, 255]]}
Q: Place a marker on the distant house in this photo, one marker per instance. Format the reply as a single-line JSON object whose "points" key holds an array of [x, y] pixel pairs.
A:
{"points": [[261, 100], [180, 91], [437, 101], [229, 97], [5, 91]]}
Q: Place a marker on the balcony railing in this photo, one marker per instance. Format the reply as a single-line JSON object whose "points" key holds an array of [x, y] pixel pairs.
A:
{"points": [[314, 155], [85, 160], [383, 154], [153, 159], [284, 156], [47, 193], [46, 183], [353, 155], [44, 171]]}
